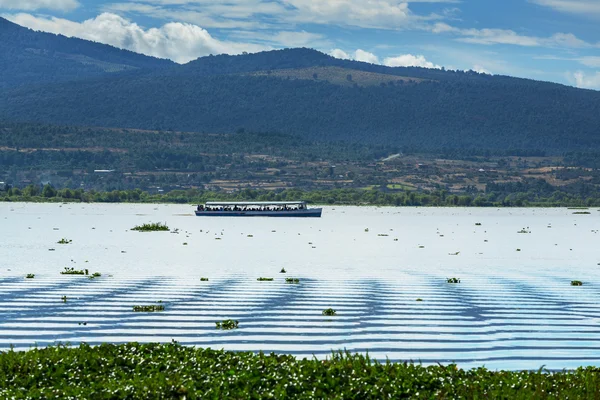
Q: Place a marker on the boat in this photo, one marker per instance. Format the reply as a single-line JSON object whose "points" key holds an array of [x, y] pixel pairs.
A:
{"points": [[257, 209]]}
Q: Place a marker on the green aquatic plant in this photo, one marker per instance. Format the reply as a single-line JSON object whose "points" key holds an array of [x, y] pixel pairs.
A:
{"points": [[261, 279], [151, 227], [227, 324], [64, 299], [65, 241], [96, 275], [149, 308], [204, 279], [329, 312], [576, 283], [581, 213], [73, 271], [453, 280], [477, 223], [523, 230], [292, 280], [30, 276], [419, 299]]}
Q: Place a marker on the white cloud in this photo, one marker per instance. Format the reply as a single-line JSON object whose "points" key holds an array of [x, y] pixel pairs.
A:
{"points": [[177, 41], [585, 81], [409, 60], [341, 54], [31, 5], [583, 7], [365, 56], [590, 61], [481, 70]]}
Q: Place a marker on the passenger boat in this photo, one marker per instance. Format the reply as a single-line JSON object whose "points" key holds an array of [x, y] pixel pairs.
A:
{"points": [[257, 209]]}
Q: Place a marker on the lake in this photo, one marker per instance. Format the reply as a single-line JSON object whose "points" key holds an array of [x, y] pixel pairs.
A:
{"points": [[514, 307]]}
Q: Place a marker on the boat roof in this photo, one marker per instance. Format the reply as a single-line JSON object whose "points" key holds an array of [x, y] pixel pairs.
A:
{"points": [[253, 203]]}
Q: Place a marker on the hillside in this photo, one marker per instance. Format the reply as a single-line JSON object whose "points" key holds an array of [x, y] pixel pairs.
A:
{"points": [[298, 92], [29, 57]]}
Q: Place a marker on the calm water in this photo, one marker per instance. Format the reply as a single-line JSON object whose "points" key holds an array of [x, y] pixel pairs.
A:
{"points": [[513, 309]]}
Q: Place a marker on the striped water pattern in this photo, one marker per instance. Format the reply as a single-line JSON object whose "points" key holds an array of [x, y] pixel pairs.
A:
{"points": [[513, 311]]}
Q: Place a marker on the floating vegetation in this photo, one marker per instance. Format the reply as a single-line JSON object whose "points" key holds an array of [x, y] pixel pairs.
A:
{"points": [[73, 271], [64, 299], [283, 271], [454, 254], [330, 312], [382, 234], [292, 280], [419, 299], [421, 247], [185, 243], [51, 249], [453, 280], [518, 249], [149, 308], [136, 371], [227, 324], [153, 227], [204, 279], [30, 276], [576, 283], [249, 235], [523, 230], [261, 279], [96, 275], [65, 241], [366, 229], [477, 223], [581, 212]]}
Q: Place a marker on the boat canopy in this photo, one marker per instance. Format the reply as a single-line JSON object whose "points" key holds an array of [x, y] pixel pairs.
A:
{"points": [[254, 203]]}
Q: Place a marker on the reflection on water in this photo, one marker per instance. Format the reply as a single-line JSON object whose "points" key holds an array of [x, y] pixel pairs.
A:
{"points": [[512, 309]]}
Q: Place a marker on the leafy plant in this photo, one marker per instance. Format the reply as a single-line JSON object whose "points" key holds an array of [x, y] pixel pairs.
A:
{"points": [[292, 280], [30, 276], [151, 227], [261, 279], [452, 280], [227, 324], [576, 283], [149, 308], [64, 299], [72, 271], [330, 312], [204, 279], [523, 230], [65, 241]]}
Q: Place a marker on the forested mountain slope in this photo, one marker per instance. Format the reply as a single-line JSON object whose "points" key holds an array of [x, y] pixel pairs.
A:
{"points": [[29, 57], [295, 91]]}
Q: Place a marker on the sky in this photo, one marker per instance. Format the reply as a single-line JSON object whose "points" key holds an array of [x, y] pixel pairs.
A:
{"points": [[549, 40]]}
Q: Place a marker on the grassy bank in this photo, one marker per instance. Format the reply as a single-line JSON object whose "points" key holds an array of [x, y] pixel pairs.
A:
{"points": [[172, 371], [331, 197]]}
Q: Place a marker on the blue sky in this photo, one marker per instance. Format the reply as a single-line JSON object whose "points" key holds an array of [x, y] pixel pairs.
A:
{"points": [[552, 40]]}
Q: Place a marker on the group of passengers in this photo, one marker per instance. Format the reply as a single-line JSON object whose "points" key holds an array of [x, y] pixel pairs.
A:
{"points": [[250, 208]]}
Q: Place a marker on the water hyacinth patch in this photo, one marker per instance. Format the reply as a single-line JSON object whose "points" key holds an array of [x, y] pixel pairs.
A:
{"points": [[30, 276], [152, 227], [64, 241], [204, 279], [64, 299], [227, 324], [137, 371], [72, 271], [452, 280], [96, 275], [330, 312], [576, 283], [149, 308], [292, 280], [261, 279]]}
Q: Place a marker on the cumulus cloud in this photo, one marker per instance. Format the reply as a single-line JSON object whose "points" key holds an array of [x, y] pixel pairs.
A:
{"points": [[31, 5], [585, 81], [403, 60], [409, 60], [177, 41], [481, 70]]}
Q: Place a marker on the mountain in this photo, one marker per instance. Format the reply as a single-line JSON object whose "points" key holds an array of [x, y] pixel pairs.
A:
{"points": [[299, 92], [30, 57]]}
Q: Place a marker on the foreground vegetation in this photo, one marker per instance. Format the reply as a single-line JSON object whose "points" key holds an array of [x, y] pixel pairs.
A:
{"points": [[333, 197], [172, 371]]}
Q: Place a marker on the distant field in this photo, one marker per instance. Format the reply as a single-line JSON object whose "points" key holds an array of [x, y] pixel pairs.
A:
{"points": [[339, 76]]}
